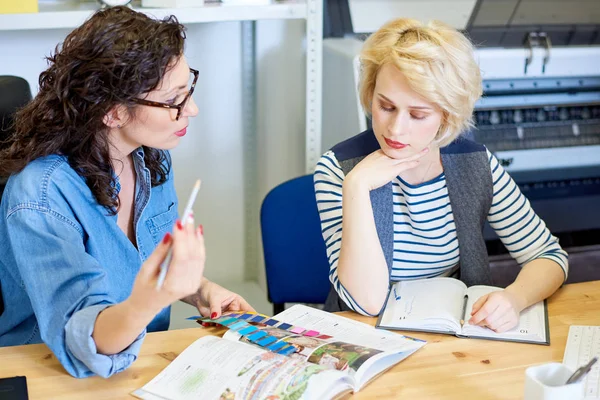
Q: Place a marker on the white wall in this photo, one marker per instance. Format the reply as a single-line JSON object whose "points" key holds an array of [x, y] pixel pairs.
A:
{"points": [[213, 148], [22, 53], [281, 123]]}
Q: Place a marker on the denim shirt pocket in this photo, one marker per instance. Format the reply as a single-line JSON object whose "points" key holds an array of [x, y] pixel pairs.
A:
{"points": [[162, 223]]}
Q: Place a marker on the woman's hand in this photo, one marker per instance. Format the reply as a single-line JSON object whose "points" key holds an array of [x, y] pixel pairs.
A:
{"points": [[212, 300], [377, 169], [498, 311], [117, 326], [184, 274]]}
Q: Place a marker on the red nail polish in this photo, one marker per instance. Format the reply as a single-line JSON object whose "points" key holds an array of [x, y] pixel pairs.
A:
{"points": [[213, 315], [179, 225], [167, 238], [201, 229]]}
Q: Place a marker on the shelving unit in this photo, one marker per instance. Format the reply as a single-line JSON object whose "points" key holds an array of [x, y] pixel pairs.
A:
{"points": [[70, 14]]}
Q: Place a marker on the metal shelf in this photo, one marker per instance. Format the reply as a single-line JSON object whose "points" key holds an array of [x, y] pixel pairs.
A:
{"points": [[58, 15]]}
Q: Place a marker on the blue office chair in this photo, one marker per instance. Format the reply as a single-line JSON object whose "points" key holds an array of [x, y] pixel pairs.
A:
{"points": [[296, 263]]}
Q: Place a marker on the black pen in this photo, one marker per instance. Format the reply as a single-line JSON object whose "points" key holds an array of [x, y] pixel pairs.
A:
{"points": [[462, 321], [581, 372]]}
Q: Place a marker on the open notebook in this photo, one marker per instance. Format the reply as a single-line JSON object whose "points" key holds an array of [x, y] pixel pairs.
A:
{"points": [[277, 359], [443, 305]]}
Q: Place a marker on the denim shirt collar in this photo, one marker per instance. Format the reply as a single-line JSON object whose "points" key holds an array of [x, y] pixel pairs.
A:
{"points": [[140, 167]]}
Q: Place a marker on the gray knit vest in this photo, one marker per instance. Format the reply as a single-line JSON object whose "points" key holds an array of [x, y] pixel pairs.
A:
{"points": [[470, 189]]}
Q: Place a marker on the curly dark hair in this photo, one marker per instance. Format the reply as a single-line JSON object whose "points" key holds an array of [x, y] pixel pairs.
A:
{"points": [[117, 55]]}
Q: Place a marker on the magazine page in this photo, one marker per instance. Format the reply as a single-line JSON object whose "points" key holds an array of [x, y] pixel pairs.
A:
{"points": [[532, 325], [431, 305], [366, 350], [330, 353], [347, 330], [213, 368]]}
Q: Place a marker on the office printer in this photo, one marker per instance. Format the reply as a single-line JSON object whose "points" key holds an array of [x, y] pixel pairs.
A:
{"points": [[540, 111]]}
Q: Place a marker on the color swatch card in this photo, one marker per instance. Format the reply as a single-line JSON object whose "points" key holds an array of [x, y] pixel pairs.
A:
{"points": [[266, 332]]}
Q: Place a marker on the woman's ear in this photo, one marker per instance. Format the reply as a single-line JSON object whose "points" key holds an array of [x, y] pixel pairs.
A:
{"points": [[443, 128], [116, 117]]}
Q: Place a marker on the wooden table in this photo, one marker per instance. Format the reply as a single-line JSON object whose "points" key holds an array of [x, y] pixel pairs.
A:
{"points": [[446, 368]]}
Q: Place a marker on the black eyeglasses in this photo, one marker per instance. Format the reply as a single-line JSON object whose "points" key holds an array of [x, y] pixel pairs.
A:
{"points": [[179, 107]]}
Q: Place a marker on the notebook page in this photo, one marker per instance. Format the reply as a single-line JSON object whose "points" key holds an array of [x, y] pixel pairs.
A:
{"points": [[531, 325], [425, 303]]}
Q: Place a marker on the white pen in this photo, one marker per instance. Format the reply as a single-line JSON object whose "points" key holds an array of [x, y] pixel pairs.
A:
{"points": [[186, 214]]}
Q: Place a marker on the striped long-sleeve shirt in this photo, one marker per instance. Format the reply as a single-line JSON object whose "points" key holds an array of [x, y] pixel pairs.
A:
{"points": [[425, 241]]}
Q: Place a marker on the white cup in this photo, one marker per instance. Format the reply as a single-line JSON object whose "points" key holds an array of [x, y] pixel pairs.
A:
{"points": [[547, 382]]}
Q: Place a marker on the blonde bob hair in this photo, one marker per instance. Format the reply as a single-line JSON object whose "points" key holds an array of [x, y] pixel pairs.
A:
{"points": [[438, 63]]}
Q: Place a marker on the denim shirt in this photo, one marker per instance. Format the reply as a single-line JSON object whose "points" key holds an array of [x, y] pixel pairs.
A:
{"points": [[64, 259]]}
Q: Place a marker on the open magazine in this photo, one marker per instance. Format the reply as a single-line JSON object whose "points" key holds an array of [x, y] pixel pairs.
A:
{"points": [[235, 368], [443, 305]]}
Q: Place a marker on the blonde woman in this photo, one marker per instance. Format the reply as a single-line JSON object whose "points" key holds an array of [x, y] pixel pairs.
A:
{"points": [[414, 194]]}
